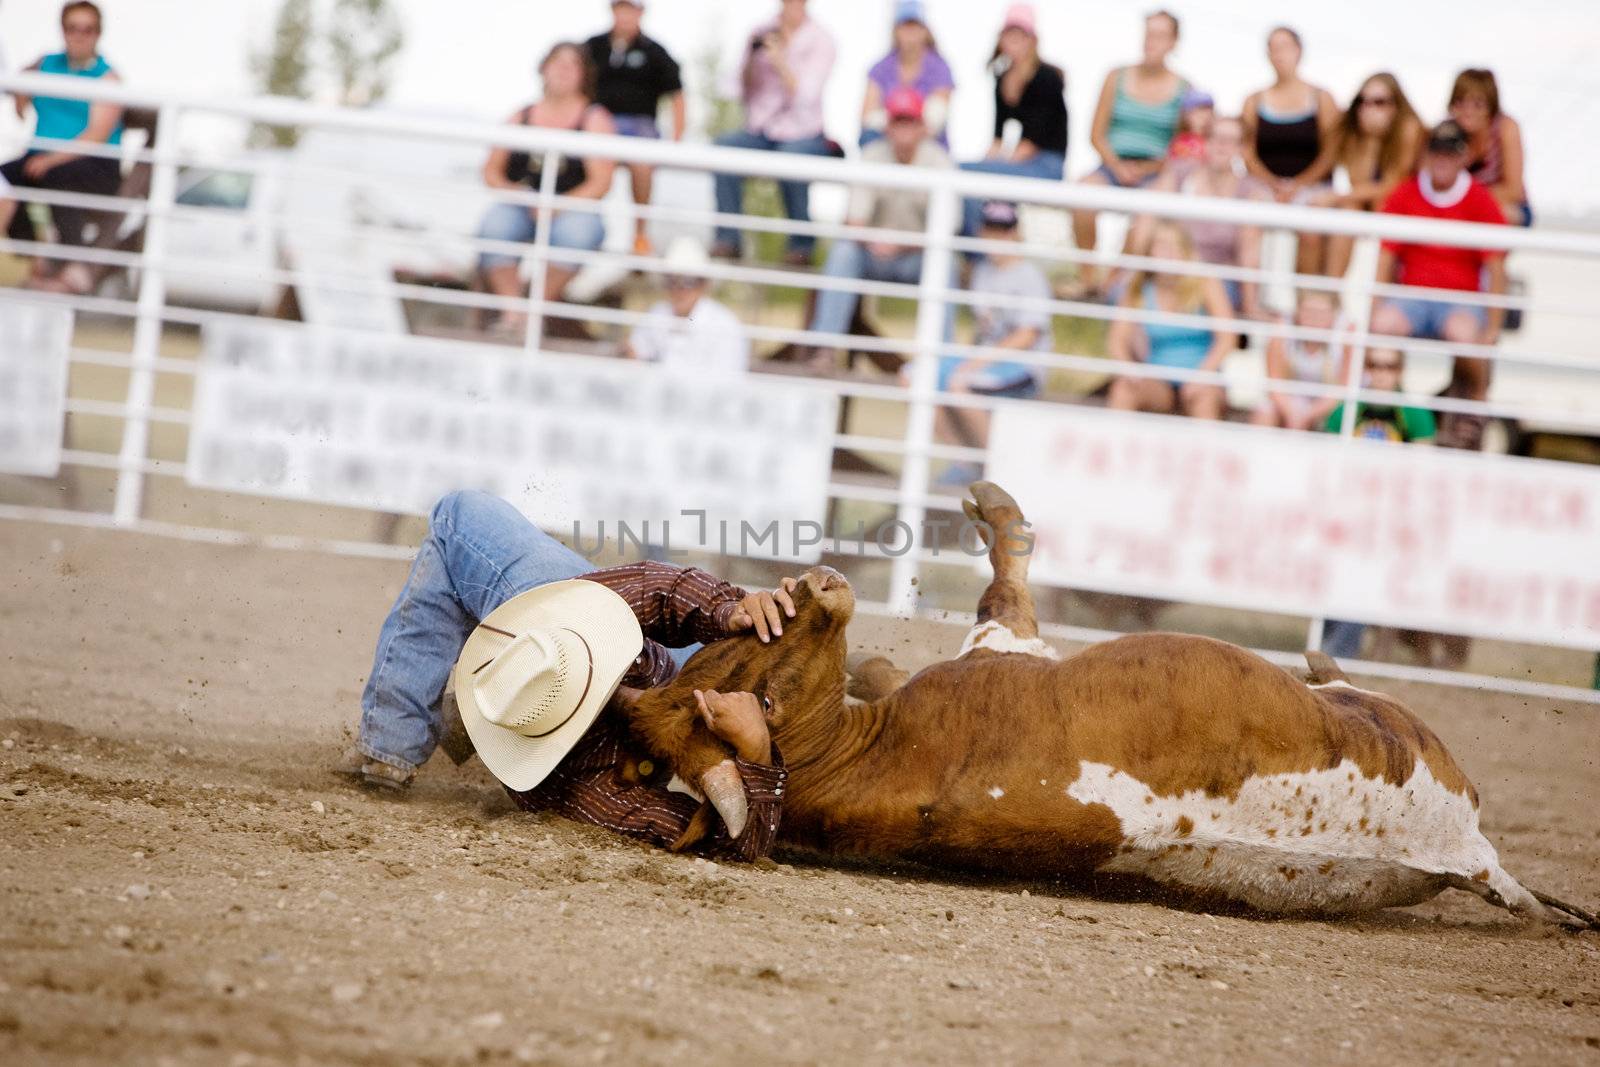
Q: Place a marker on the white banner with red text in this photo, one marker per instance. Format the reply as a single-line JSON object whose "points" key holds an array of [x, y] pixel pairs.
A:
{"points": [[1306, 524]]}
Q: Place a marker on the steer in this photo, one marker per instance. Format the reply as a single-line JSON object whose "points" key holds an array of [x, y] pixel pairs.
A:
{"points": [[1182, 760]]}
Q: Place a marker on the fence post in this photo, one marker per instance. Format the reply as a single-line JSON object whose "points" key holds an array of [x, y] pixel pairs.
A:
{"points": [[938, 272], [148, 320], [541, 252]]}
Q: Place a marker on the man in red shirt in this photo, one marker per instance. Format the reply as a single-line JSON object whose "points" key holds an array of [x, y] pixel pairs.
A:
{"points": [[1442, 189]]}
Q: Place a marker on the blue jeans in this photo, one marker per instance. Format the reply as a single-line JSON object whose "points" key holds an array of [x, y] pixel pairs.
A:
{"points": [[479, 553], [1044, 165], [796, 195], [1342, 640], [516, 222], [850, 259], [1427, 317]]}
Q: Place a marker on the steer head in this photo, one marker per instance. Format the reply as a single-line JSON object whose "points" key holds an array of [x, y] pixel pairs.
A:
{"points": [[801, 673]]}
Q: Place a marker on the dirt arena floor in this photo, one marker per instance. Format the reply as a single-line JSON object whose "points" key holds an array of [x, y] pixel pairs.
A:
{"points": [[183, 881]]}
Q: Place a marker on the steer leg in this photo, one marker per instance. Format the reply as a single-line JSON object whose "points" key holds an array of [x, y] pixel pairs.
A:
{"points": [[1007, 621]]}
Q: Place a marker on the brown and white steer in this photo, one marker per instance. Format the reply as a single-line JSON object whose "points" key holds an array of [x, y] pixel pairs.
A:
{"points": [[1183, 760]]}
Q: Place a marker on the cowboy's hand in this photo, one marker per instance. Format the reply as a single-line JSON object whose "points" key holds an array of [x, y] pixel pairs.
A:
{"points": [[760, 611], [740, 720]]}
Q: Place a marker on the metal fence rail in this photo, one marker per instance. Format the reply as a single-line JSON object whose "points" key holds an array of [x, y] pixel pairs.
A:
{"points": [[150, 312]]}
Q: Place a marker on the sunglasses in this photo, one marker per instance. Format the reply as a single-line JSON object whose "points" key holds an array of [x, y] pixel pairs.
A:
{"points": [[1373, 364], [682, 281], [1375, 101], [87, 29]]}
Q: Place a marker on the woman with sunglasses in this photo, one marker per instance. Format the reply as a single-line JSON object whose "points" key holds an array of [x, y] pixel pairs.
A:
{"points": [[1377, 144], [1494, 141], [58, 167]]}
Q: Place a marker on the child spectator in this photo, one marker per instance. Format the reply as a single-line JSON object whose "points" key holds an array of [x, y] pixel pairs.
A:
{"points": [[1194, 127], [784, 72], [1301, 359], [913, 63], [1494, 142], [1167, 345], [1443, 189], [1376, 144], [61, 169], [999, 325], [568, 104], [1134, 124], [906, 144], [1030, 110], [688, 331], [1218, 173], [1286, 127], [634, 75]]}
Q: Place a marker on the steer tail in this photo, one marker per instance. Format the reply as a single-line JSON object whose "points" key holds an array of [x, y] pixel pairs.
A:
{"points": [[1504, 891]]}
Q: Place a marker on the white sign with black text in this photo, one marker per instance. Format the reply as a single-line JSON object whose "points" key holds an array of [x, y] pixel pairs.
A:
{"points": [[34, 343], [392, 423]]}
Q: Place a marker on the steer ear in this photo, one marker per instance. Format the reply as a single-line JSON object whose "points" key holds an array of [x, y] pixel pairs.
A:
{"points": [[1323, 669]]}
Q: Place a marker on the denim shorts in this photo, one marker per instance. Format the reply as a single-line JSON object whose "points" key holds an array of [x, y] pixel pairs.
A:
{"points": [[515, 222], [637, 126], [1427, 317], [1111, 178]]}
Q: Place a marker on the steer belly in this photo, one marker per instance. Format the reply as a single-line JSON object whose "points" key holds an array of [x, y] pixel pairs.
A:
{"points": [[1327, 841]]}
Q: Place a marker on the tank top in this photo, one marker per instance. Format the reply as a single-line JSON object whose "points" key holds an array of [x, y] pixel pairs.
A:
{"points": [[1174, 346], [1489, 168], [1215, 242], [63, 119], [1287, 142], [1307, 364], [1143, 131], [528, 169]]}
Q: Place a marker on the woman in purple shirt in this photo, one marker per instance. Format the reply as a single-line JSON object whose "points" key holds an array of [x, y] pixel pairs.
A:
{"points": [[913, 62]]}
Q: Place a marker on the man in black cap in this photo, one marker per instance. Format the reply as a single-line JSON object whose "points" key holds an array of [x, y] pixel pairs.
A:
{"points": [[1442, 189]]}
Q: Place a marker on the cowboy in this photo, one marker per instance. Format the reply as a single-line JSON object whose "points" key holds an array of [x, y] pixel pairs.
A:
{"points": [[539, 645]]}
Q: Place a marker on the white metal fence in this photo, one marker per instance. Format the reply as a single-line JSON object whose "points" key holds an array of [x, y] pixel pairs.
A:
{"points": [[320, 266]]}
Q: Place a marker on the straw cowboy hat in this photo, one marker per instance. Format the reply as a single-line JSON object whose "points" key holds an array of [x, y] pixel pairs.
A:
{"points": [[534, 675]]}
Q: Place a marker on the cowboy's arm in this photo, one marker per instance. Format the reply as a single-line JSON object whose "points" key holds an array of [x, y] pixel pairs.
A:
{"points": [[676, 606]]}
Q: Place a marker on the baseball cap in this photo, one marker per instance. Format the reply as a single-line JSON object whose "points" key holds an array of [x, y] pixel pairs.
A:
{"points": [[1447, 138], [1197, 98], [1001, 214], [1021, 17], [904, 102], [910, 11]]}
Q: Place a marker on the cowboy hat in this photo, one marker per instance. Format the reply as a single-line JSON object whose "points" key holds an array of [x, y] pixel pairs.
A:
{"points": [[535, 673]]}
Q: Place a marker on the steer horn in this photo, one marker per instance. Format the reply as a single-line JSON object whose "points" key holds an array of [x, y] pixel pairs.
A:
{"points": [[725, 789]]}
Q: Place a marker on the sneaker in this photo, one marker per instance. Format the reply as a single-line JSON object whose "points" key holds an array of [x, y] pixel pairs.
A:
{"points": [[642, 246], [726, 250]]}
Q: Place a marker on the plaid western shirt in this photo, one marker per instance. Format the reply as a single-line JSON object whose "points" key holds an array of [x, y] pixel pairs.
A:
{"points": [[607, 779]]}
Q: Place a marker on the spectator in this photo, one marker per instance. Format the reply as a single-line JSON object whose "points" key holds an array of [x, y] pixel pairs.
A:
{"points": [[688, 331], [1219, 174], [1311, 360], [1376, 144], [785, 69], [1494, 142], [913, 63], [1194, 127], [1375, 422], [1443, 189], [568, 104], [1286, 126], [906, 143], [1166, 345], [1030, 110], [1134, 124], [998, 325], [60, 169], [635, 75]]}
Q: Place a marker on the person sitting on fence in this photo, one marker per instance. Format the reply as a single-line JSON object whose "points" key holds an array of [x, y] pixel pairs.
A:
{"points": [[1030, 111], [783, 75], [1179, 345], [60, 169], [567, 104], [1228, 244], [1194, 128], [1134, 124], [1443, 189], [1376, 145], [998, 324], [913, 63], [1316, 360], [688, 331], [906, 143], [634, 74], [491, 589], [1494, 142], [1384, 368]]}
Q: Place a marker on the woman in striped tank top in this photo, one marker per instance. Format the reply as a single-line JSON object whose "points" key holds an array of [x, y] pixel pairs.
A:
{"points": [[1134, 123], [1494, 142]]}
